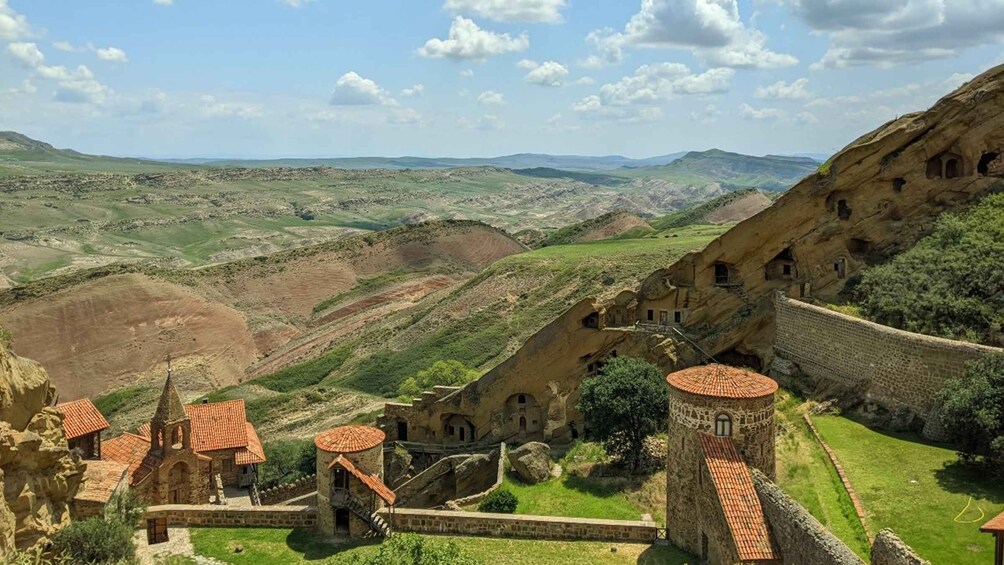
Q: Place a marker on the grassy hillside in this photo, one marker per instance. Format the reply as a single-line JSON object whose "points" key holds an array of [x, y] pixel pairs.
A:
{"points": [[733, 170], [731, 207], [620, 223]]}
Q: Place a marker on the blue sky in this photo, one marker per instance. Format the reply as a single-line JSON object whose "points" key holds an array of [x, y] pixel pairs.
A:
{"points": [[314, 78]]}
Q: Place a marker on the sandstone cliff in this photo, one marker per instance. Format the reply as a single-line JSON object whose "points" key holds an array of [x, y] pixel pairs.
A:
{"points": [[38, 474]]}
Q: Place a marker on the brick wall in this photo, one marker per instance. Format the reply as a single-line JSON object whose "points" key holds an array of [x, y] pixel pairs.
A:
{"points": [[900, 369], [223, 516], [288, 491], [518, 526], [799, 536]]}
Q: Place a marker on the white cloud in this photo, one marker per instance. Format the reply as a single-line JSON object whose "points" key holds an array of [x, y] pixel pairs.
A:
{"points": [[164, 2], [405, 116], [213, 108], [467, 73], [750, 113], [527, 64], [354, 90], [610, 50], [484, 123], [65, 46], [807, 118], [781, 90], [711, 29], [637, 97], [532, 11], [711, 81], [585, 81], [548, 73], [415, 90], [708, 116], [26, 54], [491, 98], [113, 54], [885, 33], [12, 25], [468, 41]]}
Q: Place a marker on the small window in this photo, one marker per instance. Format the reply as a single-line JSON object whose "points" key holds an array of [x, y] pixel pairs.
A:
{"points": [[451, 430], [228, 465], [521, 399], [651, 315], [678, 316], [663, 317], [723, 425], [786, 270], [721, 274]]}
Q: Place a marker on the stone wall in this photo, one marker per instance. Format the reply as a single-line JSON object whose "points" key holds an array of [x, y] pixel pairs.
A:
{"points": [[231, 517], [446, 522], [897, 369], [799, 536], [456, 504], [888, 549], [288, 491], [453, 477]]}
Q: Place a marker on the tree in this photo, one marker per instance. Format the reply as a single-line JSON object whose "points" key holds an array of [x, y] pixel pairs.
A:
{"points": [[972, 412], [411, 549], [624, 404], [95, 540], [440, 373], [500, 501], [287, 460]]}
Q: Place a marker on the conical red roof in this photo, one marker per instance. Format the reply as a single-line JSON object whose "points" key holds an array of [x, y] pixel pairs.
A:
{"points": [[349, 439], [722, 381]]}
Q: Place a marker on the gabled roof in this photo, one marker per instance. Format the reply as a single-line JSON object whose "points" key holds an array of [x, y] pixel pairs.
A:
{"points": [[372, 482], [134, 452], [740, 503], [218, 425], [722, 381], [349, 439], [81, 418], [101, 480], [994, 526], [253, 453]]}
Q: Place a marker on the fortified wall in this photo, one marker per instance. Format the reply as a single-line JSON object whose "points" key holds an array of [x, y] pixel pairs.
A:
{"points": [[893, 368]]}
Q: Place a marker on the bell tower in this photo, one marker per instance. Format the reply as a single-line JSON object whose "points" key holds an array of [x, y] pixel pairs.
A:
{"points": [[170, 427]]}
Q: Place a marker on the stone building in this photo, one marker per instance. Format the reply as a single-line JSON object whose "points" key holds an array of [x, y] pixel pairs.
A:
{"points": [[83, 424], [177, 456], [721, 424], [350, 487], [102, 479]]}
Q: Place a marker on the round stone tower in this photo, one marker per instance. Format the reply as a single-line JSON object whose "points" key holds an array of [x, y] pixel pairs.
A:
{"points": [[348, 459], [716, 400]]}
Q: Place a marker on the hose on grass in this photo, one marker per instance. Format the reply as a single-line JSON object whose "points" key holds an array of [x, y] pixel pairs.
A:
{"points": [[968, 504]]}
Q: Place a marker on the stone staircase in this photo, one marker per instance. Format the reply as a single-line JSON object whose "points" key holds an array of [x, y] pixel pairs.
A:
{"points": [[343, 498]]}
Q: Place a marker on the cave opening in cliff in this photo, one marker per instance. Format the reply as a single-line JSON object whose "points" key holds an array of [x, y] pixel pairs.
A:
{"points": [[953, 168], [858, 246], [983, 168], [898, 184], [843, 210], [781, 267], [722, 277], [736, 358], [934, 168], [592, 320]]}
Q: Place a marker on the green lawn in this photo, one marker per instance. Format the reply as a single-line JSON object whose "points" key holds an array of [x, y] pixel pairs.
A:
{"points": [[806, 474], [574, 496], [916, 489], [278, 547]]}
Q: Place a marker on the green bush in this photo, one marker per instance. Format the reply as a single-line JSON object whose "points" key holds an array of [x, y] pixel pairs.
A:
{"points": [[411, 549], [305, 374], [441, 373], [499, 501], [95, 541], [972, 412], [126, 507], [287, 461], [5, 337], [949, 284]]}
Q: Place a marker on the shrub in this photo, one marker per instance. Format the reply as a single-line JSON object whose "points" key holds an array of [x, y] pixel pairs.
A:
{"points": [[287, 461], [95, 541], [440, 373], [5, 337], [126, 507], [411, 549], [499, 501], [972, 412], [624, 404], [305, 374]]}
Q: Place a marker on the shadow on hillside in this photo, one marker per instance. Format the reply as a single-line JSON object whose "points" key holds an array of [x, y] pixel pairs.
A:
{"points": [[314, 548], [966, 478], [665, 555]]}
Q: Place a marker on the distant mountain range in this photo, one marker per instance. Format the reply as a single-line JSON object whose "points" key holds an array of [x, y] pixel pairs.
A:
{"points": [[20, 149], [733, 170]]}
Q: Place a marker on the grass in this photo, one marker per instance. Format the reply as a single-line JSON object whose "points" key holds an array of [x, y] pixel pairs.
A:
{"points": [[305, 374], [917, 488], [279, 547], [806, 474], [122, 399]]}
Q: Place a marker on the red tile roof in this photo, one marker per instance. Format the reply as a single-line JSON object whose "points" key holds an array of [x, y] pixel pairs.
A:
{"points": [[253, 453], [349, 439], [372, 482], [722, 381], [218, 425], [995, 526], [740, 503], [81, 418], [134, 452], [101, 479]]}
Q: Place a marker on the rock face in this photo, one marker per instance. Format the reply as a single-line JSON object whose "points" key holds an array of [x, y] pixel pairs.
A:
{"points": [[532, 462], [38, 474]]}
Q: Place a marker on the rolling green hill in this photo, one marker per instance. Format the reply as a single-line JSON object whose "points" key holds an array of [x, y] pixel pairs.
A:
{"points": [[732, 170], [732, 207], [20, 154]]}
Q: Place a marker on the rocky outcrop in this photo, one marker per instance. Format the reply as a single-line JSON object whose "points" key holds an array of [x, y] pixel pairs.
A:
{"points": [[532, 462], [38, 474]]}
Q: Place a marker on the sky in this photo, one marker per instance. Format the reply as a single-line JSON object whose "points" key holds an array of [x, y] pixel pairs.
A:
{"points": [[334, 78]]}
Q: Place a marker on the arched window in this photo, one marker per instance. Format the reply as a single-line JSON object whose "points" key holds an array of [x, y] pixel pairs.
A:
{"points": [[723, 425], [177, 437], [521, 399]]}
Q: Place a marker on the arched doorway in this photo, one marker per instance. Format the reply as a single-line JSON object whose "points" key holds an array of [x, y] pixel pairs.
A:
{"points": [[522, 425], [177, 484]]}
